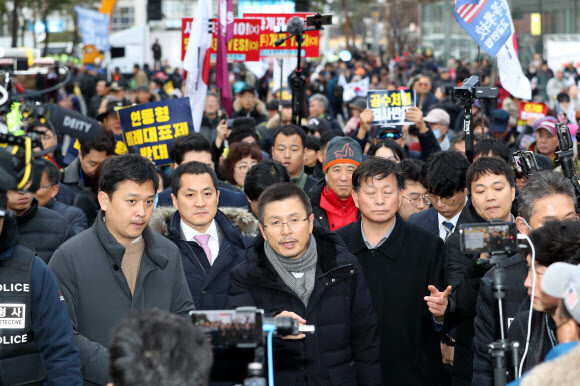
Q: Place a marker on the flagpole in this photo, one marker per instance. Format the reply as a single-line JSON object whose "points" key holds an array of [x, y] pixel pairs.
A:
{"points": [[480, 80]]}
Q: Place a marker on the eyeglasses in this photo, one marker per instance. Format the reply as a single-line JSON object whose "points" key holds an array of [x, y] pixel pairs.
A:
{"points": [[415, 200], [390, 135], [432, 199], [278, 225], [244, 168]]}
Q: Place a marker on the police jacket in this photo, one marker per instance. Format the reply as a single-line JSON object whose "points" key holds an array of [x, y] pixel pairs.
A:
{"points": [[42, 348], [43, 229], [344, 350], [88, 270]]}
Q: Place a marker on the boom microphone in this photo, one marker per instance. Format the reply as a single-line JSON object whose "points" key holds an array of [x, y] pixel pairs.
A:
{"points": [[72, 123], [295, 26]]}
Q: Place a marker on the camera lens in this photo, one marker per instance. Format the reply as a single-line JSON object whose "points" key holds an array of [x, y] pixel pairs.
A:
{"points": [[464, 95]]}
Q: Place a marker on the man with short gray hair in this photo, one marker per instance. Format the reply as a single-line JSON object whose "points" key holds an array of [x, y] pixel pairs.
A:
{"points": [[317, 107], [548, 196]]}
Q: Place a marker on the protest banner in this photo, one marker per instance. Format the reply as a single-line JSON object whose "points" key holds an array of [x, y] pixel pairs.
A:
{"points": [[94, 28], [270, 21], [532, 110], [389, 107], [488, 22], [244, 47], [150, 128]]}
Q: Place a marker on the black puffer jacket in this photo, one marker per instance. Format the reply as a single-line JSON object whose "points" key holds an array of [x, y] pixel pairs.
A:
{"points": [[463, 273], [486, 324], [314, 195], [43, 229], [345, 348], [75, 216]]}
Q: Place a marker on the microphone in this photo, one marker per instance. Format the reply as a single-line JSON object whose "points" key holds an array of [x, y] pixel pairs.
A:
{"points": [[72, 123], [294, 27]]}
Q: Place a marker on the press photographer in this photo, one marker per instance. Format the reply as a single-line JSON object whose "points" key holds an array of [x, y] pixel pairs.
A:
{"points": [[547, 196]]}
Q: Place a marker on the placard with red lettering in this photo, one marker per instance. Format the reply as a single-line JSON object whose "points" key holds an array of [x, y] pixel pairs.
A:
{"points": [[244, 47], [532, 110], [269, 21]]}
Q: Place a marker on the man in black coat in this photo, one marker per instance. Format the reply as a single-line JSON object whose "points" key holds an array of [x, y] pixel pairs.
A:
{"points": [[547, 196], [206, 263], [301, 270], [491, 184], [401, 263], [42, 229]]}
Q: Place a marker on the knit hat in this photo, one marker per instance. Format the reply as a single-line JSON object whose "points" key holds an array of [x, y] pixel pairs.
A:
{"points": [[342, 150]]}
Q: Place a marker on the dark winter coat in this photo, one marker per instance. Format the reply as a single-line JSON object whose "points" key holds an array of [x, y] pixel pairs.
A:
{"points": [[345, 347], [319, 213], [207, 283], [486, 324], [463, 273], [88, 271], [75, 216], [258, 113], [542, 338], [43, 229], [398, 273]]}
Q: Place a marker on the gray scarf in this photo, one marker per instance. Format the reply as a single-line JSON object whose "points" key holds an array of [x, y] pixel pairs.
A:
{"points": [[306, 265]]}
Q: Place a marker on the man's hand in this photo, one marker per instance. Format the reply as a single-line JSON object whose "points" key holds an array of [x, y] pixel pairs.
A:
{"points": [[221, 129], [366, 120], [301, 322], [415, 115], [438, 302]]}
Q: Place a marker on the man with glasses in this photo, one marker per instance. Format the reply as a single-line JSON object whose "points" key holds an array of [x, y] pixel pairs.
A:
{"points": [[46, 196], [299, 269], [444, 177], [402, 264], [413, 193]]}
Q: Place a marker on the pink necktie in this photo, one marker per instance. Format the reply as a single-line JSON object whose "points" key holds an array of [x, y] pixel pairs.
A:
{"points": [[202, 240]]}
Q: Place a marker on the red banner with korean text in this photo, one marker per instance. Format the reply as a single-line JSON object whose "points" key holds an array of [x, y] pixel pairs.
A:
{"points": [[268, 23], [244, 47]]}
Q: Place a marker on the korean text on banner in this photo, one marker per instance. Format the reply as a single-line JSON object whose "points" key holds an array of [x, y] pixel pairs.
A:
{"points": [[268, 36], [389, 107], [244, 47], [532, 110], [488, 22], [94, 28], [150, 128]]}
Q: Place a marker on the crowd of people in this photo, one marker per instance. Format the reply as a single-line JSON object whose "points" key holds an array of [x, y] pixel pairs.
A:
{"points": [[337, 223]]}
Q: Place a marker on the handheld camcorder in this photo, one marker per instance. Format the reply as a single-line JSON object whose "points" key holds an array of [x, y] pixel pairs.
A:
{"points": [[524, 163], [467, 93]]}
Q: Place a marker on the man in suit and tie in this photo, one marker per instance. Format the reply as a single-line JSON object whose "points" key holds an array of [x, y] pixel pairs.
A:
{"points": [[444, 177]]}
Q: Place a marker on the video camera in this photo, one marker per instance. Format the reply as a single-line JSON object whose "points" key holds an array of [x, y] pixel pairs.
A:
{"points": [[247, 328], [492, 237], [524, 164], [467, 93], [565, 156], [19, 164]]}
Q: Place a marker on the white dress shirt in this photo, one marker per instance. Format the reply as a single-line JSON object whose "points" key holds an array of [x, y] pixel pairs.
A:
{"points": [[213, 241], [442, 228]]}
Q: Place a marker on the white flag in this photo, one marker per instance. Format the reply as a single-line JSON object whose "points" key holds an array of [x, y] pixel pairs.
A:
{"points": [[196, 61], [511, 76], [355, 89]]}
